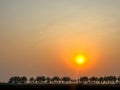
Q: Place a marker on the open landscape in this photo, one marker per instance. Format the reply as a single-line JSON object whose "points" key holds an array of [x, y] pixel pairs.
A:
{"points": [[65, 83], [60, 44], [59, 87]]}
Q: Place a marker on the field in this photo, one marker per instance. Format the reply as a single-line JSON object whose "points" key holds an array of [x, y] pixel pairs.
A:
{"points": [[59, 87]]}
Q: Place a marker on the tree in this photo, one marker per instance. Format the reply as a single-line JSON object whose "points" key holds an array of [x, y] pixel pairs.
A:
{"points": [[23, 80], [75, 81], [48, 80], [101, 80], [119, 79], [15, 80], [55, 79], [32, 80], [40, 79], [107, 79], [66, 79], [84, 80], [11, 80], [112, 79], [93, 80]]}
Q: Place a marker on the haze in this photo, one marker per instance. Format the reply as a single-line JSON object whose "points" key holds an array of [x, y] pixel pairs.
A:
{"points": [[39, 37]]}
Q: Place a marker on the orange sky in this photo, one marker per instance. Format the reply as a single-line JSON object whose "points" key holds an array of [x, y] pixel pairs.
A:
{"points": [[42, 37]]}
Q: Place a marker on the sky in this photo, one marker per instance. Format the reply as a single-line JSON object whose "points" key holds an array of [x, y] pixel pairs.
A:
{"points": [[42, 37]]}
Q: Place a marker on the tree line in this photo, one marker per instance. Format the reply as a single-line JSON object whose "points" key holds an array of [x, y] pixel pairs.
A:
{"points": [[64, 80]]}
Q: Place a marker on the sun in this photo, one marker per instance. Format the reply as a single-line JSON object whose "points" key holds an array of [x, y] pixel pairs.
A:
{"points": [[80, 59]]}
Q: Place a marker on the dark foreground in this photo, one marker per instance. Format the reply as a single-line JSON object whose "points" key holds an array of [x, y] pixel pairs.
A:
{"points": [[59, 87]]}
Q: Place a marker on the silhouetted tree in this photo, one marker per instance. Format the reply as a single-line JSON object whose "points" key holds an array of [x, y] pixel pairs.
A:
{"points": [[112, 79], [40, 79], [11, 80], [93, 80], [23, 79], [32, 80], [66, 80], [48, 80], [106, 79], [84, 80], [74, 80], [101, 80], [15, 80], [119, 79], [55, 79]]}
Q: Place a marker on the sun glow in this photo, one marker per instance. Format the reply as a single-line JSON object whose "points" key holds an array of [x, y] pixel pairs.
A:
{"points": [[80, 59]]}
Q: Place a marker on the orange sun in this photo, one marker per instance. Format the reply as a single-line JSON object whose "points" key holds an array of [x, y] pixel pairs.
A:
{"points": [[80, 59]]}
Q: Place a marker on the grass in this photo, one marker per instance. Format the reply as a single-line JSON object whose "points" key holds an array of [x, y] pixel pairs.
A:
{"points": [[57, 86]]}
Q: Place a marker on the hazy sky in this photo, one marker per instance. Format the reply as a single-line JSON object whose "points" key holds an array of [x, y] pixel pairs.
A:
{"points": [[41, 37]]}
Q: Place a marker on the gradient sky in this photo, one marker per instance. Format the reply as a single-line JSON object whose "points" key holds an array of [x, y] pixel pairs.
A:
{"points": [[41, 37]]}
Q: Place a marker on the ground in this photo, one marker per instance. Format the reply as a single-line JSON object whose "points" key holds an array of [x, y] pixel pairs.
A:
{"points": [[59, 87]]}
